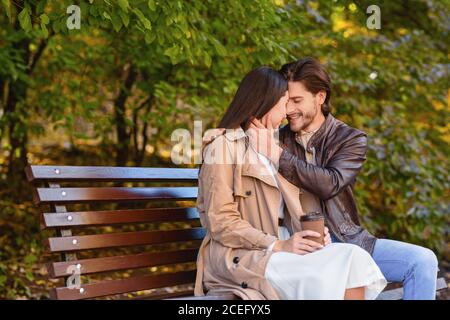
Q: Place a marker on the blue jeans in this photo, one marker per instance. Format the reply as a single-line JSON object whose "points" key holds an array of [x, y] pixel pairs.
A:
{"points": [[415, 266]]}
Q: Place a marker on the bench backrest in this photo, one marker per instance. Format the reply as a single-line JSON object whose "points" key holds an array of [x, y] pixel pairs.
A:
{"points": [[85, 238]]}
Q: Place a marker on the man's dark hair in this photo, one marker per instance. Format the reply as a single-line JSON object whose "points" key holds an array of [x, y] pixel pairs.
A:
{"points": [[312, 75]]}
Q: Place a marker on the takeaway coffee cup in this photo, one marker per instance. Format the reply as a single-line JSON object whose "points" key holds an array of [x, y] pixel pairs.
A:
{"points": [[314, 221]]}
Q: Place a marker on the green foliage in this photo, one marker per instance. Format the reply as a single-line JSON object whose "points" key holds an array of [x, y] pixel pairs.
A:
{"points": [[21, 251]]}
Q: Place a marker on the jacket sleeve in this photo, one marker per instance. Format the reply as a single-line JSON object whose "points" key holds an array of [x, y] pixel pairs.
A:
{"points": [[328, 181], [221, 215]]}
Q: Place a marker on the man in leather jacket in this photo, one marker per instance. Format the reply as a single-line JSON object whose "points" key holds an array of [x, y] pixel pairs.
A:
{"points": [[323, 156]]}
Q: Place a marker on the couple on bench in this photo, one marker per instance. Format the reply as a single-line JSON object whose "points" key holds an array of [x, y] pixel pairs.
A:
{"points": [[257, 181]]}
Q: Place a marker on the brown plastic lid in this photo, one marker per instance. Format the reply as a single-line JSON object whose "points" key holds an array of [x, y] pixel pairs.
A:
{"points": [[311, 216]]}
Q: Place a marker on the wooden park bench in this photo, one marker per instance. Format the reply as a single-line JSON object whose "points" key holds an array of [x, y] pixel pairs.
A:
{"points": [[88, 244]]}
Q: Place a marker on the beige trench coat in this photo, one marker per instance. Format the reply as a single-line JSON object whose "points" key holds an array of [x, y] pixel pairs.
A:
{"points": [[238, 203]]}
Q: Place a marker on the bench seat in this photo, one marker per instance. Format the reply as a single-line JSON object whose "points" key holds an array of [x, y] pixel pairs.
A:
{"points": [[116, 236]]}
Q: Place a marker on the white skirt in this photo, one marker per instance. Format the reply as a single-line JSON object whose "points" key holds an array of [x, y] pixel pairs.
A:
{"points": [[324, 274]]}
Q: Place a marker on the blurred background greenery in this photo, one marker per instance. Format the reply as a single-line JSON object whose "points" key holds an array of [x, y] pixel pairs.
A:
{"points": [[112, 92]]}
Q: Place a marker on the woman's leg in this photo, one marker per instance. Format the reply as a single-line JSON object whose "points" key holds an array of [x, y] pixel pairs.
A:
{"points": [[413, 265], [354, 294]]}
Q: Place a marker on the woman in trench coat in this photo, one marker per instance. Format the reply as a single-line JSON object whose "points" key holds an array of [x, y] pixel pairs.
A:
{"points": [[240, 202]]}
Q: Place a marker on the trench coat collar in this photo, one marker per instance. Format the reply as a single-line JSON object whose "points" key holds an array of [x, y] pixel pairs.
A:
{"points": [[251, 164], [289, 192], [254, 167], [257, 169], [235, 134]]}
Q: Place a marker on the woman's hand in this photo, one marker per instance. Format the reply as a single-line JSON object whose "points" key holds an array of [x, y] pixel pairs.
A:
{"points": [[326, 237], [262, 138], [298, 244]]}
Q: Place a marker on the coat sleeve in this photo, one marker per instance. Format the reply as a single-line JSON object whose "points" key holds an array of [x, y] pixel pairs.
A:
{"points": [[221, 216], [328, 181]]}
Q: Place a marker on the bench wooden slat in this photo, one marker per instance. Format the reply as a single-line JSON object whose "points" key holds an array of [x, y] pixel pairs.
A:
{"points": [[163, 296], [111, 287], [89, 218], [96, 265], [103, 173], [78, 195], [98, 241], [441, 284], [224, 296], [188, 295]]}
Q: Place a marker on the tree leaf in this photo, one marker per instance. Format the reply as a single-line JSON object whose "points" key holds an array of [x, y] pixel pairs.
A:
{"points": [[123, 4], [106, 15], [149, 37], [3, 280], [125, 18], [40, 7], [147, 24], [44, 19], [30, 258], [7, 6], [208, 60], [25, 19], [116, 22], [219, 47], [152, 5], [44, 30]]}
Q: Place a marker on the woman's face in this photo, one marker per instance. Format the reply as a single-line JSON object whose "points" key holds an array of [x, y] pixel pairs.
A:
{"points": [[277, 113]]}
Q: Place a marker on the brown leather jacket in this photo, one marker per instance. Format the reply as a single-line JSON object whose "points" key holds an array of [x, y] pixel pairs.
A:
{"points": [[340, 152]]}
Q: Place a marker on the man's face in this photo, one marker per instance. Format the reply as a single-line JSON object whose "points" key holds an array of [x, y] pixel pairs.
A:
{"points": [[302, 106]]}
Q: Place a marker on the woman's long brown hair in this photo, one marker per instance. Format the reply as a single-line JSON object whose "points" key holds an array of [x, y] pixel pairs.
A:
{"points": [[258, 92]]}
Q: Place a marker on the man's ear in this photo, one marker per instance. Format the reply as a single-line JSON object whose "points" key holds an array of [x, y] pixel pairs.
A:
{"points": [[320, 96]]}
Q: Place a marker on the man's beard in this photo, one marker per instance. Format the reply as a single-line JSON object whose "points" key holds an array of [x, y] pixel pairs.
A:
{"points": [[299, 121]]}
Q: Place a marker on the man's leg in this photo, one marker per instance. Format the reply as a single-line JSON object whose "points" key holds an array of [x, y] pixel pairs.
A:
{"points": [[416, 267], [413, 265]]}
